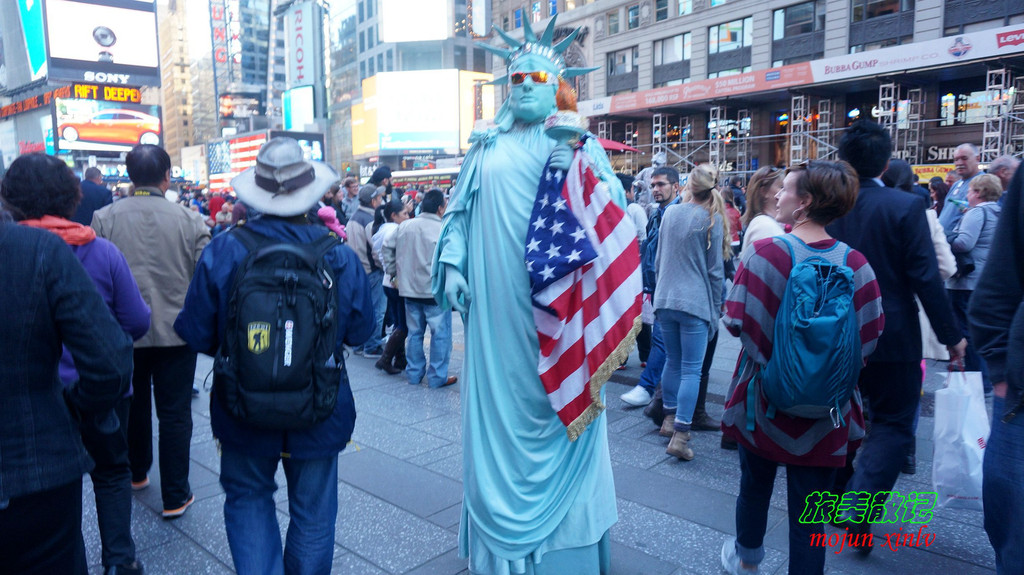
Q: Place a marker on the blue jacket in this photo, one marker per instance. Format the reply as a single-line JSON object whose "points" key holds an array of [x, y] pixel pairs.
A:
{"points": [[48, 300], [649, 249], [202, 323]]}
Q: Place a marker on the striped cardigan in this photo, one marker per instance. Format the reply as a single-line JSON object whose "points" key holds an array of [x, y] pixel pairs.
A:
{"points": [[751, 308]]}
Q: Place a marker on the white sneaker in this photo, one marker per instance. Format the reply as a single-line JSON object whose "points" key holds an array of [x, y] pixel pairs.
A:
{"points": [[637, 397], [731, 561]]}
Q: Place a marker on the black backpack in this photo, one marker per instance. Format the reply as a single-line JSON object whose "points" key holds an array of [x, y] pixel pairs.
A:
{"points": [[276, 367]]}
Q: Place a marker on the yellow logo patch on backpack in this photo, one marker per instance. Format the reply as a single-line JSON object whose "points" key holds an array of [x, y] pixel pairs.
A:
{"points": [[259, 337]]}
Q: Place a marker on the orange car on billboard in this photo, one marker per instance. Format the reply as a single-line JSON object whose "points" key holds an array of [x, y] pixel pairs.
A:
{"points": [[117, 126]]}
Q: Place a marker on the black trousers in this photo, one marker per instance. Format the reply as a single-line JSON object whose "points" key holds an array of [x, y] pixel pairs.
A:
{"points": [[41, 533], [111, 479], [163, 374]]}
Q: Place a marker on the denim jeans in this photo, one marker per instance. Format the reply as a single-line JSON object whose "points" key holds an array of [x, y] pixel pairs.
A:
{"points": [[418, 316], [961, 299], [250, 515], [651, 376], [163, 375], [686, 340], [757, 480], [41, 533], [395, 308], [1003, 489], [112, 484], [380, 306]]}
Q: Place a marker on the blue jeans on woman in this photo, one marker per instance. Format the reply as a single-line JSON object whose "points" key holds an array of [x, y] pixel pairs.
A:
{"points": [[1003, 488], [686, 340], [757, 480], [250, 515], [419, 316]]}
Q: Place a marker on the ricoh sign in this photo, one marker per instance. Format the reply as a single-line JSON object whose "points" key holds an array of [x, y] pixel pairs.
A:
{"points": [[302, 29]]}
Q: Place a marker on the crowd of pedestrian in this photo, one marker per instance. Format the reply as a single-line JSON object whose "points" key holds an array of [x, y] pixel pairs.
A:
{"points": [[935, 273]]}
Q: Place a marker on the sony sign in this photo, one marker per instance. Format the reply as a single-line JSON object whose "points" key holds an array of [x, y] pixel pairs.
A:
{"points": [[105, 78], [301, 30]]}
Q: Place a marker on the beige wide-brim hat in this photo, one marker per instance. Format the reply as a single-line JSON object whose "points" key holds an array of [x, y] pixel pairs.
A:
{"points": [[283, 182]]}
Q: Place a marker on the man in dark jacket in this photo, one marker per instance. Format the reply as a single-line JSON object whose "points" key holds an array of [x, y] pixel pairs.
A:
{"points": [[282, 186], [94, 196], [997, 323], [48, 300], [889, 227]]}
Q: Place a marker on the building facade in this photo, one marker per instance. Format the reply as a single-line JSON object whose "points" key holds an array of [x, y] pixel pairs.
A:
{"points": [[747, 83]]}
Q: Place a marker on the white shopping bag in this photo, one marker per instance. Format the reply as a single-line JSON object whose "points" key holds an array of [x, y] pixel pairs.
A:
{"points": [[961, 431]]}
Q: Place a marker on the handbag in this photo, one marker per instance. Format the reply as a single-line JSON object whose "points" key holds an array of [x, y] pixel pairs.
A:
{"points": [[964, 260], [961, 432]]}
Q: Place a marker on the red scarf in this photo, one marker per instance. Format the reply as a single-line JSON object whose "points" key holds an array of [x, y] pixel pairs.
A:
{"points": [[74, 234]]}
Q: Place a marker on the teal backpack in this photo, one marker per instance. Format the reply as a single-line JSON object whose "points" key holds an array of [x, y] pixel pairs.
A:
{"points": [[816, 353]]}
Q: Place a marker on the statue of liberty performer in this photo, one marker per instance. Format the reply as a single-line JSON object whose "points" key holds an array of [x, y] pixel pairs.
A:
{"points": [[534, 502]]}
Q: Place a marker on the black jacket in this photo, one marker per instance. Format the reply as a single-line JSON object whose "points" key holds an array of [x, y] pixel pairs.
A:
{"points": [[997, 304], [94, 197], [889, 227]]}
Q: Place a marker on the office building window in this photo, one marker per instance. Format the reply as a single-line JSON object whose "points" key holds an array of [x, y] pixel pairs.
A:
{"points": [[731, 36], [671, 50], [867, 9], [362, 12], [369, 66], [362, 42], [460, 57], [613, 22], [685, 7], [380, 62], [633, 17], [798, 19], [369, 38], [391, 61], [887, 43], [479, 60], [622, 61], [730, 72], [535, 14], [362, 70], [504, 23], [552, 7], [717, 3], [369, 8], [517, 15], [660, 10]]}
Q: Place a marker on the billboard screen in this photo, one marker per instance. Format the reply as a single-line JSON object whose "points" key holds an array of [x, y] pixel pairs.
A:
{"points": [[240, 105], [298, 107], [99, 126], [414, 20], [35, 36], [300, 27], [312, 143], [105, 41], [428, 121]]}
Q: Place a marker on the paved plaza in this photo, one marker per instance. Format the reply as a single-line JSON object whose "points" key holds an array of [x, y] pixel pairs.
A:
{"points": [[400, 492]]}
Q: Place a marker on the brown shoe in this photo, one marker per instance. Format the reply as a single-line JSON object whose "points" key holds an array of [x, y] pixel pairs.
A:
{"points": [[704, 422], [450, 381], [679, 445], [668, 425]]}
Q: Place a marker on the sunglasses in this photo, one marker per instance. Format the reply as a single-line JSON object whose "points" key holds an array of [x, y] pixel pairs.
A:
{"points": [[538, 77]]}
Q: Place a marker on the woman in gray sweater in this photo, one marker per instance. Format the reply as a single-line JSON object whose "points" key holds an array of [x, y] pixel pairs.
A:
{"points": [[688, 299]]}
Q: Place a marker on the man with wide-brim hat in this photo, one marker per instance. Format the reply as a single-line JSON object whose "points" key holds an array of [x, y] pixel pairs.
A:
{"points": [[283, 186]]}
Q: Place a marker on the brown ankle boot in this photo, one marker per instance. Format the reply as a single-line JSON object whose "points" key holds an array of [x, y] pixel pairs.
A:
{"points": [[396, 340], [679, 445], [668, 425]]}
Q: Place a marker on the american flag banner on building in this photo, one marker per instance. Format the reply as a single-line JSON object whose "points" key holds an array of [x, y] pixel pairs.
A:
{"points": [[584, 268]]}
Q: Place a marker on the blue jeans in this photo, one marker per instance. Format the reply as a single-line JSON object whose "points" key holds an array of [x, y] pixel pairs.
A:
{"points": [[757, 480], [686, 340], [1003, 489], [380, 305], [961, 299], [418, 316], [250, 516], [651, 376]]}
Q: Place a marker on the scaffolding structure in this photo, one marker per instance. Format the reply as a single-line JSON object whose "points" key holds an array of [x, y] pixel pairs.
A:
{"points": [[715, 116], [798, 124], [888, 100], [743, 123], [824, 134], [631, 159], [1015, 115], [994, 131], [908, 144]]}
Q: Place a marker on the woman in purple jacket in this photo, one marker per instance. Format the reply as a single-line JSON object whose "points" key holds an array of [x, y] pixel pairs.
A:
{"points": [[42, 192]]}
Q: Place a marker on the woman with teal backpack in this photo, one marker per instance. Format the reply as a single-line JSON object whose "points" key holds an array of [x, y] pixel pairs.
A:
{"points": [[810, 439]]}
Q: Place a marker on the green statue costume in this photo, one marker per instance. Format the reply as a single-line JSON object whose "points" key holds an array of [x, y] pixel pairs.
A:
{"points": [[534, 502]]}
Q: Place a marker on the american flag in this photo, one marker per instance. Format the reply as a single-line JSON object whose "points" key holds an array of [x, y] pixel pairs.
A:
{"points": [[584, 268], [232, 157]]}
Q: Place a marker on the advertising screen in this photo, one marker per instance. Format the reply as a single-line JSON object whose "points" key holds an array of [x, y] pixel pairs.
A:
{"points": [[428, 121], [414, 20], [105, 126], [240, 105], [105, 41], [312, 143], [298, 107], [35, 36]]}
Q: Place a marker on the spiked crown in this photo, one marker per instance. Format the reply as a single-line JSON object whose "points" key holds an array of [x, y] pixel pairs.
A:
{"points": [[540, 47]]}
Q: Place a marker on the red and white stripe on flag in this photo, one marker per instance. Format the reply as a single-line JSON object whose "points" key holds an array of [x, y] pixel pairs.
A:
{"points": [[597, 307]]}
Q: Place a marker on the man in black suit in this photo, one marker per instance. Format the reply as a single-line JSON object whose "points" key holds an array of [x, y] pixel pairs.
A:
{"points": [[889, 227], [94, 196]]}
